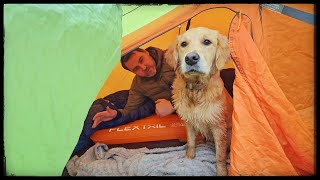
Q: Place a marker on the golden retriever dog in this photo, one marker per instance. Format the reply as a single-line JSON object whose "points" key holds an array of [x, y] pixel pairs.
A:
{"points": [[199, 95]]}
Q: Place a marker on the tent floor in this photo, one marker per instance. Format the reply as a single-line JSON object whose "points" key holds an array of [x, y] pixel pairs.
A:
{"points": [[149, 145]]}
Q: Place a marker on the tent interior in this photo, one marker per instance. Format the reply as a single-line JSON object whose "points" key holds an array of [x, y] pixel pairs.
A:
{"points": [[281, 50]]}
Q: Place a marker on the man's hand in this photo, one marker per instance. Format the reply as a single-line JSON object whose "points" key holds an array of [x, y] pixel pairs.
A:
{"points": [[163, 107], [106, 115]]}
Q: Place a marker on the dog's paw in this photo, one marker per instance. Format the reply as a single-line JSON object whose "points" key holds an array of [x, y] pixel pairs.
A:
{"points": [[222, 171], [190, 153]]}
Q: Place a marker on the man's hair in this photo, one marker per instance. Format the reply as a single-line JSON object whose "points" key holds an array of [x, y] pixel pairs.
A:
{"points": [[126, 57]]}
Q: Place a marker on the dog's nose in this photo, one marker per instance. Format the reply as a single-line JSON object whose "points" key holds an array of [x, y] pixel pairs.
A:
{"points": [[192, 58]]}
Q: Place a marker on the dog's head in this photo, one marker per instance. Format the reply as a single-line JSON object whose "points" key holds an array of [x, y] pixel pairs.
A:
{"points": [[199, 51]]}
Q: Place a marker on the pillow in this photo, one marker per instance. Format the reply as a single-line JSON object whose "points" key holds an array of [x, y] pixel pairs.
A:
{"points": [[152, 128]]}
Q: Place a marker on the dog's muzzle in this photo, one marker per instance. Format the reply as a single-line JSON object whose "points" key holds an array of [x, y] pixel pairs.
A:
{"points": [[192, 58]]}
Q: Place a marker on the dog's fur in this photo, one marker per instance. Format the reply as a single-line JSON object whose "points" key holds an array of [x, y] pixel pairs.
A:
{"points": [[199, 96]]}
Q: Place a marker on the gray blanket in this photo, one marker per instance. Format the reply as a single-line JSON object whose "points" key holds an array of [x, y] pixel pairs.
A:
{"points": [[99, 160]]}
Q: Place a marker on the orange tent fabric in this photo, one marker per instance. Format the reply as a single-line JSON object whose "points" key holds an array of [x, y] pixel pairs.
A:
{"points": [[268, 132], [273, 54]]}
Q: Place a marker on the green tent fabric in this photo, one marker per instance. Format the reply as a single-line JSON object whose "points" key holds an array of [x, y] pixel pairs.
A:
{"points": [[136, 16], [56, 58]]}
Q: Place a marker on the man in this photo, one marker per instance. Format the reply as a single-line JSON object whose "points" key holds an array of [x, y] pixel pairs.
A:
{"points": [[153, 80], [150, 92]]}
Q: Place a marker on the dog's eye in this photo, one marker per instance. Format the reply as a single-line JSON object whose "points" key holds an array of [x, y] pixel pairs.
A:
{"points": [[206, 42], [184, 44]]}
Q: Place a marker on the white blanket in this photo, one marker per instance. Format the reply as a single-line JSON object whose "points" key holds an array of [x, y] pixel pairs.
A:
{"points": [[99, 160]]}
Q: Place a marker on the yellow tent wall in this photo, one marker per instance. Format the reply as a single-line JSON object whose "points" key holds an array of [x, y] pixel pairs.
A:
{"points": [[286, 48], [131, 13]]}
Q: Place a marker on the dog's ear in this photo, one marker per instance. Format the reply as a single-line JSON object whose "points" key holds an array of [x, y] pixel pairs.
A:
{"points": [[171, 54], [223, 52]]}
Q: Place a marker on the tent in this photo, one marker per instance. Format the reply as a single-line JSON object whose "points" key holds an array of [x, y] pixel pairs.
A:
{"points": [[272, 48], [54, 62], [56, 58]]}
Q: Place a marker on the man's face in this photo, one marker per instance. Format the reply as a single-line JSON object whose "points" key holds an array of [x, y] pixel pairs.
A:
{"points": [[141, 64]]}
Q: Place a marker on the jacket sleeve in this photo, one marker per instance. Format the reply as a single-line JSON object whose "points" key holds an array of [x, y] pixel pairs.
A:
{"points": [[135, 100], [147, 109]]}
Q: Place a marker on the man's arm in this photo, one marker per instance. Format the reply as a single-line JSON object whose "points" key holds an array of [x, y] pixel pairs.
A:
{"points": [[147, 109], [135, 100]]}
